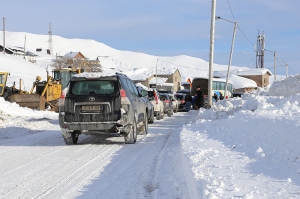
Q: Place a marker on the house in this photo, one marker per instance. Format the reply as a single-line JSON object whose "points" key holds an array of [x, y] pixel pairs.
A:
{"points": [[75, 59], [242, 84], [259, 75], [165, 78]]}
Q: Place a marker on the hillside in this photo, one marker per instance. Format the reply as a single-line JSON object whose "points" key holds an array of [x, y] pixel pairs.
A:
{"points": [[135, 65]]}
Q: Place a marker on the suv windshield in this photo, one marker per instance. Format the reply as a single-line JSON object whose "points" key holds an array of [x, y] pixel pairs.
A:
{"points": [[92, 87]]}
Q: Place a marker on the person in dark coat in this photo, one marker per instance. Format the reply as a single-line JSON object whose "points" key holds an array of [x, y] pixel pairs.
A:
{"points": [[216, 97], [199, 101], [188, 101], [221, 96]]}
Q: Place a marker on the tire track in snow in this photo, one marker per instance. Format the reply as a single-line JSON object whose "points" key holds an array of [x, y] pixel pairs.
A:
{"points": [[39, 184], [134, 172]]}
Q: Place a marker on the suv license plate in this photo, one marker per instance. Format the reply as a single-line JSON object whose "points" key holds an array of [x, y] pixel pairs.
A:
{"points": [[92, 108]]}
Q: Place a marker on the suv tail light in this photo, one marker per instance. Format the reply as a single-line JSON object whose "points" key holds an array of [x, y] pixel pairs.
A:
{"points": [[61, 100], [182, 101], [167, 101], [124, 98]]}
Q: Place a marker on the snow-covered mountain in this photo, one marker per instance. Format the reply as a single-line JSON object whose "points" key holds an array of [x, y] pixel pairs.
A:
{"points": [[135, 65]]}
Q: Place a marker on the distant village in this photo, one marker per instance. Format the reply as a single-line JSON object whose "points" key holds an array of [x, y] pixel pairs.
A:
{"points": [[171, 80]]}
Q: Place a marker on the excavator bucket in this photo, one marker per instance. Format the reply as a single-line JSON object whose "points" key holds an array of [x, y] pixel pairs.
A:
{"points": [[34, 101]]}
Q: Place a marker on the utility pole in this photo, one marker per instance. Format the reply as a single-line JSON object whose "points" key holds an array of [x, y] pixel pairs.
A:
{"points": [[50, 45], [274, 65], [25, 48], [260, 51], [156, 74], [4, 36], [231, 51], [211, 51], [287, 69]]}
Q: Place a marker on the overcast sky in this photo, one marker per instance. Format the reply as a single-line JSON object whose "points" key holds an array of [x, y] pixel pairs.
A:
{"points": [[169, 27]]}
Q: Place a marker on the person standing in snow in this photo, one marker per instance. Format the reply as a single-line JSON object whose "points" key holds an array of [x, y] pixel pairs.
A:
{"points": [[216, 97], [221, 96], [199, 101]]}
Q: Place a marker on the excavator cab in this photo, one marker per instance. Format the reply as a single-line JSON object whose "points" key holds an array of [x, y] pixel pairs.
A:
{"points": [[64, 76], [3, 79]]}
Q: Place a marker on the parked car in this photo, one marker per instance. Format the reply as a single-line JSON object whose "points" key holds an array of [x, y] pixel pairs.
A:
{"points": [[175, 103], [102, 105], [147, 102], [180, 97], [154, 98], [164, 97]]}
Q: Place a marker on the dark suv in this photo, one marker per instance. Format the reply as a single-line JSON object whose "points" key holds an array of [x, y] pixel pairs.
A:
{"points": [[99, 104]]}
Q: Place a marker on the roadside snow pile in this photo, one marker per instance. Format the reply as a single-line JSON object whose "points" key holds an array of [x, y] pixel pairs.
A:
{"points": [[248, 147], [282, 97], [10, 113], [285, 87]]}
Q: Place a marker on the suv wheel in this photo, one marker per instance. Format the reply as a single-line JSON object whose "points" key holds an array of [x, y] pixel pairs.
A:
{"points": [[170, 113], [162, 115], [131, 137], [71, 138], [145, 125], [158, 116]]}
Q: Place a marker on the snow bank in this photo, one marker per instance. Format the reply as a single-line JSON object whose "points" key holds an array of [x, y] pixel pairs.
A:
{"points": [[248, 147]]}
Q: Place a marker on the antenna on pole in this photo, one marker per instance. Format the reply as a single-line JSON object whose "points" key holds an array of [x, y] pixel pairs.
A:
{"points": [[260, 51], [3, 35], [50, 45], [156, 74]]}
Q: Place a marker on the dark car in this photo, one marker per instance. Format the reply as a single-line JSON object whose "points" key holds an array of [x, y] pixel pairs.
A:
{"points": [[164, 97], [98, 104]]}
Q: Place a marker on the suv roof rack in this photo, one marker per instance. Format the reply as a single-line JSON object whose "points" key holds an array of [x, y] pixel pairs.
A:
{"points": [[118, 73]]}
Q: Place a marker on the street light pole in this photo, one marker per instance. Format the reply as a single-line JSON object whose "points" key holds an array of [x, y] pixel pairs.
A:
{"points": [[274, 65], [211, 52], [231, 51], [229, 64]]}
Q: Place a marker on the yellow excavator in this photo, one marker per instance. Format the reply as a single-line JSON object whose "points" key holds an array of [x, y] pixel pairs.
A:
{"points": [[46, 93]]}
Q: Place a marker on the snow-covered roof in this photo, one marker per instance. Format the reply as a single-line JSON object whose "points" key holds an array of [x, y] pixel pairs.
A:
{"points": [[254, 71], [71, 55], [241, 82], [160, 80]]}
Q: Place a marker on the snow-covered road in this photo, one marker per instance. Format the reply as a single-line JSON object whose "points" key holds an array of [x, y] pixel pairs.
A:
{"points": [[35, 163]]}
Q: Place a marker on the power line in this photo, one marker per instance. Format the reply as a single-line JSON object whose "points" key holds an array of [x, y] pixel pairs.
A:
{"points": [[238, 26], [231, 11], [245, 36]]}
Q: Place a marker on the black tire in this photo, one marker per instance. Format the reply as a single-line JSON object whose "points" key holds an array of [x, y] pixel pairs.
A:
{"points": [[169, 113], [151, 119], [162, 115], [71, 138], [131, 137], [145, 126], [158, 116], [176, 109]]}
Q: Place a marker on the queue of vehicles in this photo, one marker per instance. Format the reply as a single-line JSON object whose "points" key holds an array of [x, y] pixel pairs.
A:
{"points": [[107, 105]]}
